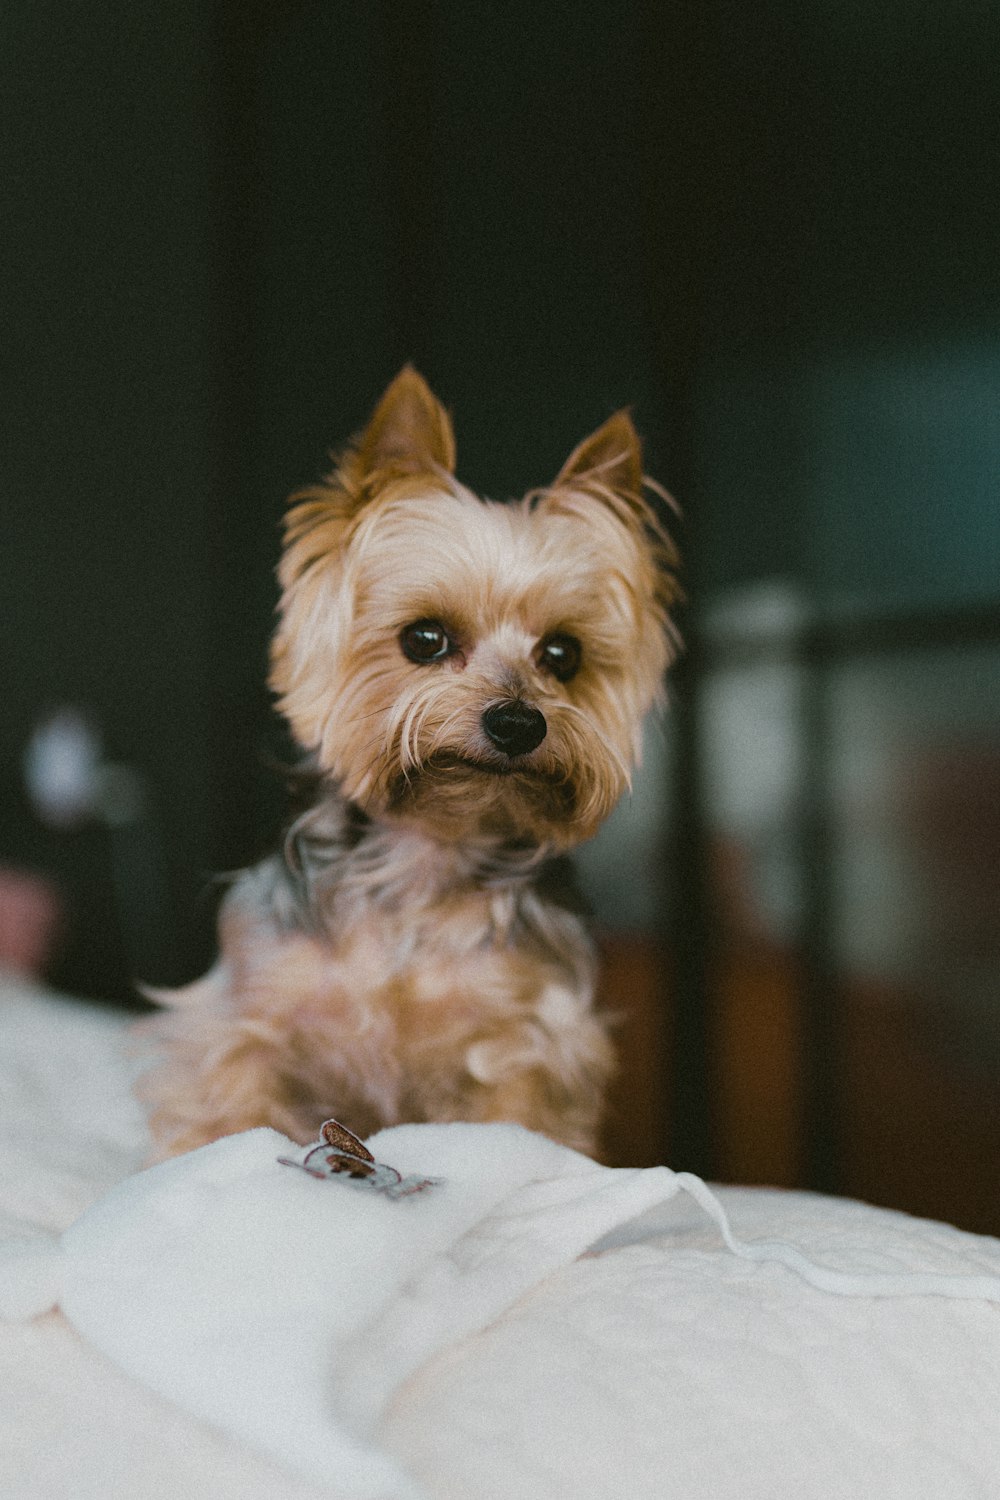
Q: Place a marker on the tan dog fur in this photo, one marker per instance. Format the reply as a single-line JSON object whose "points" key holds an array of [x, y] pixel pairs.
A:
{"points": [[401, 957]]}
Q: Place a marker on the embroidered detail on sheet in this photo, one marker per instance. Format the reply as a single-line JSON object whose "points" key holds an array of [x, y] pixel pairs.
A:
{"points": [[338, 1153]]}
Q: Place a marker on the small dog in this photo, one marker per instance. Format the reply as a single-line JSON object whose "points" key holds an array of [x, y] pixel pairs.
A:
{"points": [[469, 680]]}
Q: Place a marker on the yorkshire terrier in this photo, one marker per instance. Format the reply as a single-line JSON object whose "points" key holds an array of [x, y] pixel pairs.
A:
{"points": [[469, 681]]}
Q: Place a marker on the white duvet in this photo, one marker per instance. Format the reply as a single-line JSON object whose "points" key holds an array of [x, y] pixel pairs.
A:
{"points": [[237, 1328]]}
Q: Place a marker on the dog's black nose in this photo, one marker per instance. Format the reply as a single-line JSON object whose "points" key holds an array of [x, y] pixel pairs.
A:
{"points": [[514, 727]]}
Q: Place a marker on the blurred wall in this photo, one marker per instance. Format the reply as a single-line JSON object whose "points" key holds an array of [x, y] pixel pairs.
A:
{"points": [[109, 467], [227, 227], [772, 230]]}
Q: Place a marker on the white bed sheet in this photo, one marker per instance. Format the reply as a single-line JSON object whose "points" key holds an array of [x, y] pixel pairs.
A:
{"points": [[661, 1366]]}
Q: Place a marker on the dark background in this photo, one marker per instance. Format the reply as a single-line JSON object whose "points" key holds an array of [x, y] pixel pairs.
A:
{"points": [[772, 231]]}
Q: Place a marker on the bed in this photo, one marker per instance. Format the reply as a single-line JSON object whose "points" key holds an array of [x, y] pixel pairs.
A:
{"points": [[646, 1359]]}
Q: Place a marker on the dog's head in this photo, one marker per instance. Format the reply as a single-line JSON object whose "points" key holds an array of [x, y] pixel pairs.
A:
{"points": [[481, 668]]}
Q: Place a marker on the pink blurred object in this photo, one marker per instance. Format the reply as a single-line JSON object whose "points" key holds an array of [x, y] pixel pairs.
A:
{"points": [[29, 919]]}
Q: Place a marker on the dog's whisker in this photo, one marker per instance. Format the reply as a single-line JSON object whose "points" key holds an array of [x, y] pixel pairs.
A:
{"points": [[622, 766], [375, 713], [444, 731]]}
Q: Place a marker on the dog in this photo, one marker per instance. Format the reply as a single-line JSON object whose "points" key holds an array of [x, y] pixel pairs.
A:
{"points": [[468, 681]]}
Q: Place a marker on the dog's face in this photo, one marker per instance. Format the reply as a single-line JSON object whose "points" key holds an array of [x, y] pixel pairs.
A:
{"points": [[482, 669]]}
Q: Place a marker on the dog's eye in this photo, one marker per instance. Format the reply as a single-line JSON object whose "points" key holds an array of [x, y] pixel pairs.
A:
{"points": [[560, 655], [426, 640]]}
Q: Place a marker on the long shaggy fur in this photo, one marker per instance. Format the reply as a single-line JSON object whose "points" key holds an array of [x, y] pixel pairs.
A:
{"points": [[402, 956]]}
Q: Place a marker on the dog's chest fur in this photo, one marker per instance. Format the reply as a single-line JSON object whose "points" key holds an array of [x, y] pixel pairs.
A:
{"points": [[373, 944]]}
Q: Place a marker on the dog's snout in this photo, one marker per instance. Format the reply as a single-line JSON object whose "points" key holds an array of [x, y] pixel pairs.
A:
{"points": [[515, 728]]}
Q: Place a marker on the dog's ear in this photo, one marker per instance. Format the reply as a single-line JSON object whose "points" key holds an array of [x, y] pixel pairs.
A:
{"points": [[611, 457], [409, 434], [409, 429]]}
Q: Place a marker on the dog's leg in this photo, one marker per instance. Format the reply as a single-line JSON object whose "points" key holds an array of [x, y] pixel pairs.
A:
{"points": [[218, 1078], [535, 1053], [533, 1100], [284, 1044]]}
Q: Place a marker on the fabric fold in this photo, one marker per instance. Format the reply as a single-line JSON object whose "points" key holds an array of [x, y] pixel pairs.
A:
{"points": [[287, 1310], [535, 1230]]}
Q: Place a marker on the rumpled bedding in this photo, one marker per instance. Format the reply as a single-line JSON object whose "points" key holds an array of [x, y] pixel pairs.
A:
{"points": [[534, 1326]]}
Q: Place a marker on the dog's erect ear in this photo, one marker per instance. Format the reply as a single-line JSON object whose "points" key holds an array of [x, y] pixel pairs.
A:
{"points": [[409, 427], [612, 456]]}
